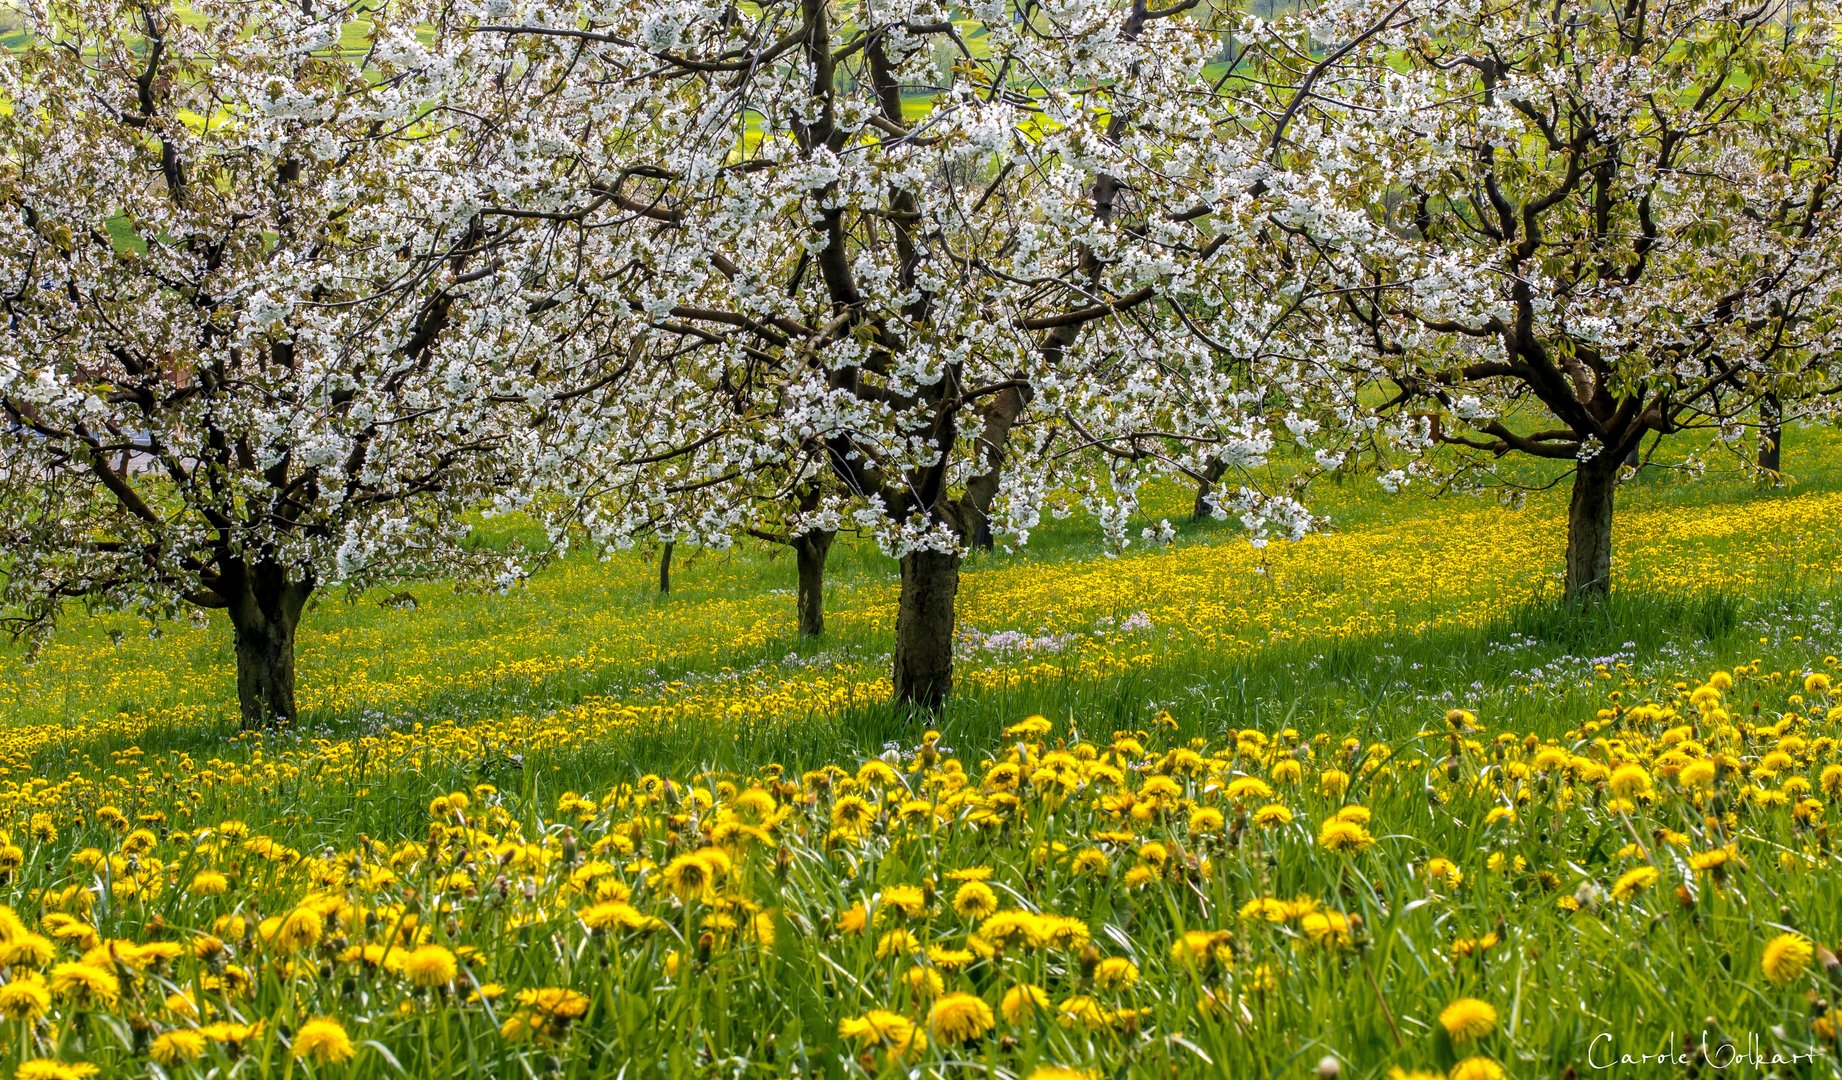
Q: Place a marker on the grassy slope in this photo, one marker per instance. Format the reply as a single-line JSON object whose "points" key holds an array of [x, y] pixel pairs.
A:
{"points": [[1411, 597], [585, 679]]}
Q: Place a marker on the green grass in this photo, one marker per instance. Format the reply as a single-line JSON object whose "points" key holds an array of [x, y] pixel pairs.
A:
{"points": [[1418, 606], [732, 611]]}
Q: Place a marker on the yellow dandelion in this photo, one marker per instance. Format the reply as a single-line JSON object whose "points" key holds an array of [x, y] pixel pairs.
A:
{"points": [[51, 1069], [25, 997], [959, 1018], [1632, 882], [1477, 1068], [1467, 1020], [1344, 837], [975, 900], [1023, 1001], [428, 966], [178, 1047], [85, 985], [880, 1027], [324, 1042], [1787, 957]]}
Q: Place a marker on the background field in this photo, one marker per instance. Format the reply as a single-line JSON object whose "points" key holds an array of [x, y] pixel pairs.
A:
{"points": [[587, 681]]}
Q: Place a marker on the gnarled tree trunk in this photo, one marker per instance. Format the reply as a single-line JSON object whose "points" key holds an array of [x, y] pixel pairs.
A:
{"points": [[810, 550], [923, 670], [982, 489], [265, 608], [1205, 487], [1771, 433], [665, 568], [1589, 528]]}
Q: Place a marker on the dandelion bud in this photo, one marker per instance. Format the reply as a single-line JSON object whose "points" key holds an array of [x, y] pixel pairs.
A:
{"points": [[1090, 959]]}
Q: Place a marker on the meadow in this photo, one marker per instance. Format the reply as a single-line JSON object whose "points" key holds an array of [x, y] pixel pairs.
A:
{"points": [[1374, 804]]}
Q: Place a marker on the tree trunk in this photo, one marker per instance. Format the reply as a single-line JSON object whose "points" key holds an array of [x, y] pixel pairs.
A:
{"points": [[809, 550], [982, 489], [923, 673], [1771, 434], [665, 568], [263, 616], [1589, 528], [1211, 475]]}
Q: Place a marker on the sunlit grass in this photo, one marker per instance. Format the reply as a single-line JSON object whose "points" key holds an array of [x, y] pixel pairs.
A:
{"points": [[602, 735]]}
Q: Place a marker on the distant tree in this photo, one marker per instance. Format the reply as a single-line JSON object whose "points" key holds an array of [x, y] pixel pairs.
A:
{"points": [[810, 538], [1568, 231], [258, 338]]}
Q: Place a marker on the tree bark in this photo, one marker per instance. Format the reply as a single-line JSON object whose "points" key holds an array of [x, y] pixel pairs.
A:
{"points": [[810, 550], [923, 671], [1771, 434], [1589, 528], [665, 568], [982, 489], [1211, 475], [264, 613]]}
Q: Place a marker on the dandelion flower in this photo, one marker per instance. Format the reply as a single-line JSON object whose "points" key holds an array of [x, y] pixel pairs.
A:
{"points": [[1115, 972], [1632, 882], [880, 1027], [959, 1018], [909, 901], [1786, 958], [1477, 1068], [616, 915], [1344, 836], [50, 1069], [688, 877], [178, 1047], [85, 985], [324, 1042], [209, 883], [1272, 815], [975, 900], [25, 997], [296, 931], [1022, 1001], [1630, 782], [428, 966], [1206, 820], [1468, 1019]]}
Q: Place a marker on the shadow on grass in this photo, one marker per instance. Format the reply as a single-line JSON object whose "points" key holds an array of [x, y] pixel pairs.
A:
{"points": [[1376, 687]]}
